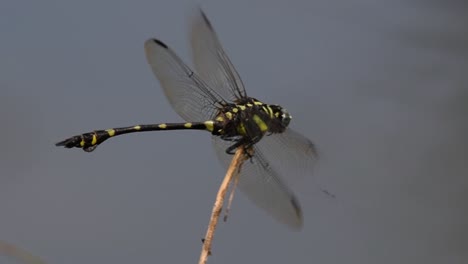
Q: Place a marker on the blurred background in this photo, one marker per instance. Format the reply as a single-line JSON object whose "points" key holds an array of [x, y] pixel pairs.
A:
{"points": [[380, 86]]}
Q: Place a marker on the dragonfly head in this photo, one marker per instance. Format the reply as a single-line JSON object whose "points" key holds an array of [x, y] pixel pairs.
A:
{"points": [[282, 119], [285, 117]]}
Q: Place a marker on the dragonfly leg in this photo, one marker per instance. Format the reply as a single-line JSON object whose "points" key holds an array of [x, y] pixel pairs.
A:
{"points": [[231, 149], [246, 143]]}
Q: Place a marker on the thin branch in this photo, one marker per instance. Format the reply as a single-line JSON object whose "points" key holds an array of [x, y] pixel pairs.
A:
{"points": [[232, 172], [231, 196], [22, 255]]}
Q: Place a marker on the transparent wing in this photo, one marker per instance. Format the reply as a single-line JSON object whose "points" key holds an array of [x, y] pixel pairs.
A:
{"points": [[211, 62], [190, 97], [294, 155], [261, 177]]}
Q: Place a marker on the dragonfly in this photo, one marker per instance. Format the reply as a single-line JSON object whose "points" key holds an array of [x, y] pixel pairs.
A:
{"points": [[213, 98]]}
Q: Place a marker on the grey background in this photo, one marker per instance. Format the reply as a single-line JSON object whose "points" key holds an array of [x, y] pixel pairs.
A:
{"points": [[380, 86]]}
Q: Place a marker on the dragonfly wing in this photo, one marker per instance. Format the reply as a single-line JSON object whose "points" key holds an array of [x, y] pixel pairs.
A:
{"points": [[190, 97], [294, 155], [261, 183], [210, 60]]}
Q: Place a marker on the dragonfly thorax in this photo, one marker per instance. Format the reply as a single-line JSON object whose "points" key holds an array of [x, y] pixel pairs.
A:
{"points": [[250, 119]]}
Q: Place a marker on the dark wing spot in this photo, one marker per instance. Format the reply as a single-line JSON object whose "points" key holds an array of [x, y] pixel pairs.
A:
{"points": [[312, 150], [297, 207], [160, 43], [208, 23]]}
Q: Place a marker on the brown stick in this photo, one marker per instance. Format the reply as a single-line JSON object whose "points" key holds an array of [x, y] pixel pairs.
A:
{"points": [[22, 255], [231, 196], [233, 169]]}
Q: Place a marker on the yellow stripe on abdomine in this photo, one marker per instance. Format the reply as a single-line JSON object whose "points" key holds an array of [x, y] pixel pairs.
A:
{"points": [[209, 125], [111, 132], [94, 141]]}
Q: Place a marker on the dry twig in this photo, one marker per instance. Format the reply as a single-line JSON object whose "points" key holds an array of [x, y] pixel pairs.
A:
{"points": [[231, 173], [22, 255]]}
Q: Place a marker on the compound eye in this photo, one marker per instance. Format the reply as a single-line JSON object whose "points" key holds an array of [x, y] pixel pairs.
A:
{"points": [[285, 118]]}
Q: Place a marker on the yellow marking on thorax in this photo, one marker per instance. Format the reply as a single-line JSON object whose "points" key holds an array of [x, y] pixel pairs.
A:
{"points": [[82, 142], [188, 125], [268, 110], [277, 114], [260, 123], [241, 107], [235, 110], [162, 126], [137, 127], [111, 132], [94, 141], [228, 115], [209, 125], [241, 129], [249, 105], [258, 103], [220, 119]]}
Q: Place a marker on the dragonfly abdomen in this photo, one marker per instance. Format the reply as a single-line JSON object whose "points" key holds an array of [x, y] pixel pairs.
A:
{"points": [[89, 141]]}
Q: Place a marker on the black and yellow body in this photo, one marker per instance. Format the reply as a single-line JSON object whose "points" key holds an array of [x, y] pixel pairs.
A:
{"points": [[89, 141], [244, 123], [213, 98]]}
